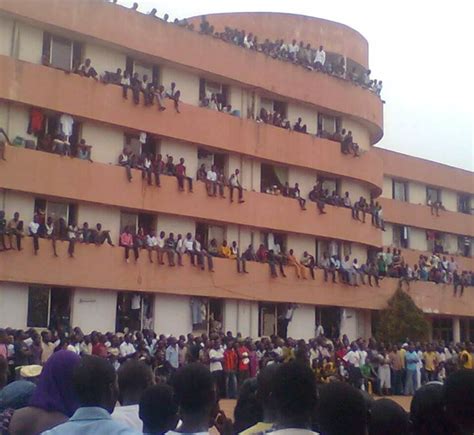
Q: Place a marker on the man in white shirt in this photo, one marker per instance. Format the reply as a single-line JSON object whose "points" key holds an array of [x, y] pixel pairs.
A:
{"points": [[161, 247], [216, 357], [134, 377], [234, 183], [211, 181], [151, 244], [66, 122], [127, 349], [293, 49], [353, 358], [33, 228], [320, 59]]}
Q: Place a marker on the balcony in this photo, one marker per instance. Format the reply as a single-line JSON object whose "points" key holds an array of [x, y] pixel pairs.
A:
{"points": [[105, 24], [104, 268], [411, 257], [53, 176], [85, 98], [415, 215]]}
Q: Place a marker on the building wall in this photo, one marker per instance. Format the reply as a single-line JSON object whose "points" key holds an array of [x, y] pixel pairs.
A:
{"points": [[6, 32], [104, 58], [186, 82], [176, 224], [309, 116], [29, 43], [416, 193], [22, 203], [172, 314], [303, 323], [13, 305], [417, 239], [387, 187], [300, 243], [109, 217], [356, 190], [107, 141], [306, 178], [251, 173], [16, 119], [449, 199], [94, 309], [387, 235], [180, 149]]}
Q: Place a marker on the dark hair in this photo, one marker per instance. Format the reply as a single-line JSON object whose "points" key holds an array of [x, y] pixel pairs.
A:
{"points": [[341, 406], [134, 376], [459, 399], [388, 418], [157, 408], [294, 392], [194, 388], [92, 379], [248, 409], [427, 410]]}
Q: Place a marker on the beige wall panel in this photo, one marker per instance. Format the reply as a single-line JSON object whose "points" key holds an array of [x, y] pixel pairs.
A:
{"points": [[172, 314], [6, 33], [303, 323], [29, 43], [309, 116], [107, 142], [13, 305], [387, 187], [186, 82], [417, 239], [22, 203], [176, 224], [416, 193], [359, 133], [109, 217], [180, 149], [104, 58], [94, 309]]}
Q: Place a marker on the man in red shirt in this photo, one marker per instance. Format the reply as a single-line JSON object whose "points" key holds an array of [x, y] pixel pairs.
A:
{"points": [[181, 176], [98, 346], [244, 363], [231, 361]]}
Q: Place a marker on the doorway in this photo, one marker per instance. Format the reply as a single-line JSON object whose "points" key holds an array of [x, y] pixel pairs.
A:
{"points": [[135, 311]]}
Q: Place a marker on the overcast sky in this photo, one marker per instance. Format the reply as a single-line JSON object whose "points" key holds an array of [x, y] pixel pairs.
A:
{"points": [[421, 51]]}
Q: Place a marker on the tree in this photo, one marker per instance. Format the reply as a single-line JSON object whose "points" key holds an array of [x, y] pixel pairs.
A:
{"points": [[401, 320]]}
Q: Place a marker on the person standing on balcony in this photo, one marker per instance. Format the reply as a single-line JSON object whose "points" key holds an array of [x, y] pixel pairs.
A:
{"points": [[136, 86], [320, 59], [234, 183], [125, 83], [33, 229], [181, 176]]}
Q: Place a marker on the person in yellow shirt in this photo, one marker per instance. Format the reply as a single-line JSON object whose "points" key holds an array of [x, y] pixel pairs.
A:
{"points": [[431, 361], [224, 250], [465, 358], [292, 261]]}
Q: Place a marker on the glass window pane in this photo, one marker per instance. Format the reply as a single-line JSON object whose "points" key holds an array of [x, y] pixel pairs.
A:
{"points": [[38, 307], [128, 219], [57, 210], [61, 53]]}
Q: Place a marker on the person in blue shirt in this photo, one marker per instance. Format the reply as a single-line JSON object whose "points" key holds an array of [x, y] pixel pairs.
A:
{"points": [[95, 383], [411, 361]]}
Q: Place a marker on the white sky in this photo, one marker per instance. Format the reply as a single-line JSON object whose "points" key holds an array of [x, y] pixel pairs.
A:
{"points": [[419, 48]]}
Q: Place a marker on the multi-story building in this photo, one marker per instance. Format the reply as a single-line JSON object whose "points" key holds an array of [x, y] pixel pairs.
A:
{"points": [[97, 289]]}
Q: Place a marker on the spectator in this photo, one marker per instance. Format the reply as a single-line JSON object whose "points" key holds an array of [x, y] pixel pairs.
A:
{"points": [[181, 176], [320, 59], [230, 370], [158, 409], [54, 399], [95, 385], [174, 95], [307, 260], [292, 261], [240, 259], [126, 241], [33, 229], [234, 183], [100, 236], [87, 70], [125, 161], [134, 377]]}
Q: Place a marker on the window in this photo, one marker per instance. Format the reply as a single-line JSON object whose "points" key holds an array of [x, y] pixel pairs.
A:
{"points": [[209, 158], [436, 241], [464, 203], [272, 177], [433, 194], [328, 124], [134, 311], [56, 210], [267, 319], [330, 247], [330, 319], [400, 190], [400, 236], [274, 106], [49, 307], [147, 222], [442, 329], [208, 88], [60, 52], [330, 184], [129, 220]]}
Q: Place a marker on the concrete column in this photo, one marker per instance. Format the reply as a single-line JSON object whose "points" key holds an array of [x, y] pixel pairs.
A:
{"points": [[349, 323], [456, 329]]}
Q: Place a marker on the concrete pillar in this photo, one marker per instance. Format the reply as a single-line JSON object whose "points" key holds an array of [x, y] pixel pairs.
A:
{"points": [[349, 323], [456, 329]]}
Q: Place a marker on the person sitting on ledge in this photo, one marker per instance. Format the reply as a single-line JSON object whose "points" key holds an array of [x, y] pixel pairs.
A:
{"points": [[224, 250], [211, 181], [298, 127], [201, 174], [249, 254], [317, 195], [307, 260], [174, 94], [241, 260], [170, 168], [234, 183], [84, 151], [181, 176], [126, 161], [213, 249], [292, 261], [126, 241], [296, 193], [100, 236], [87, 70]]}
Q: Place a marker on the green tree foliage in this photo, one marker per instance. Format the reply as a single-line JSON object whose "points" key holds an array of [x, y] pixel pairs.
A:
{"points": [[401, 320]]}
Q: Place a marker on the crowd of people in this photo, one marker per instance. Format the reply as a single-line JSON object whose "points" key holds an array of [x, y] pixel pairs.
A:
{"points": [[66, 383], [346, 270]]}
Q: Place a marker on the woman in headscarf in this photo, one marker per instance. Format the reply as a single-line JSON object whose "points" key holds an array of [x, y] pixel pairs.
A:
{"points": [[54, 399]]}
